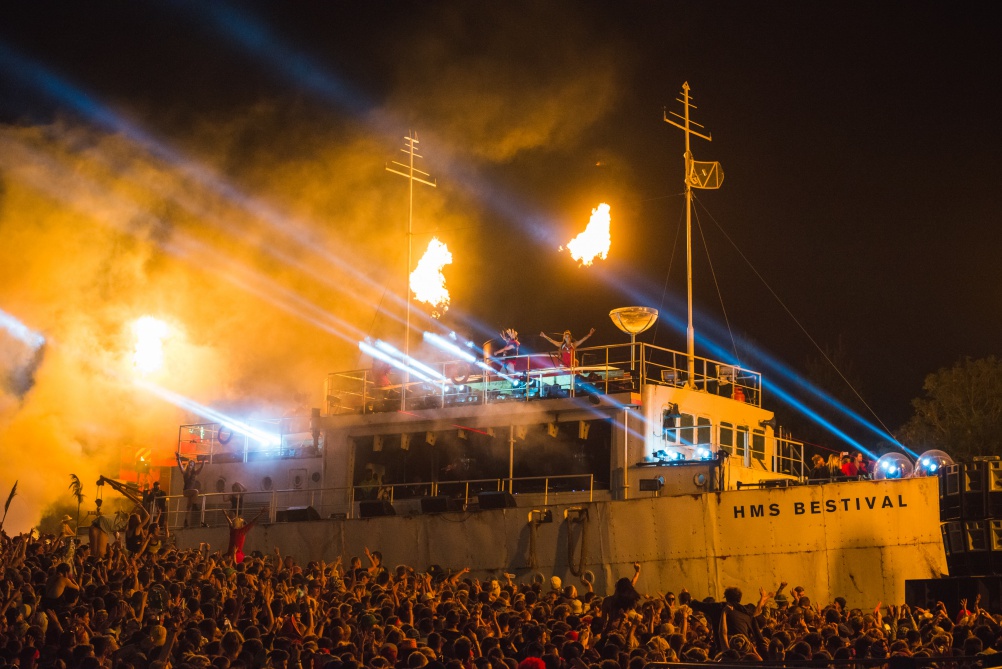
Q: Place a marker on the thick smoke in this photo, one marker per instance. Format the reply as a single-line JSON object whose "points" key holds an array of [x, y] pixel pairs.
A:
{"points": [[263, 293], [269, 242]]}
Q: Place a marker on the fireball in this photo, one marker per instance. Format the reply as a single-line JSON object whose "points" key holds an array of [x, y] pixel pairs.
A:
{"points": [[595, 240], [148, 355], [427, 280]]}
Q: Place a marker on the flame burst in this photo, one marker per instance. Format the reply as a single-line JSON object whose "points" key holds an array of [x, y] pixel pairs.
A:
{"points": [[595, 240], [148, 356], [427, 280]]}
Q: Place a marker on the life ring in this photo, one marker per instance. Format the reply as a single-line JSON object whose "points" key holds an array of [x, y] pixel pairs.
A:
{"points": [[224, 434]]}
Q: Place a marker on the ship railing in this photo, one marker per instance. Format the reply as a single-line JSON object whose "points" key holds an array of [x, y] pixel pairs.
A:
{"points": [[278, 438], [608, 369], [464, 491], [789, 458], [664, 366], [210, 509]]}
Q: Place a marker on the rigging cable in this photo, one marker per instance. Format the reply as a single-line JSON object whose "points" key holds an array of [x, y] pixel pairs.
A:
{"points": [[664, 290], [720, 297], [798, 323]]}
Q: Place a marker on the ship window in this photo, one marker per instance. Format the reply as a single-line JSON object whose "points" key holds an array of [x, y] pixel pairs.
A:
{"points": [[758, 445], [742, 441], [703, 435], [669, 423], [685, 432], [727, 437]]}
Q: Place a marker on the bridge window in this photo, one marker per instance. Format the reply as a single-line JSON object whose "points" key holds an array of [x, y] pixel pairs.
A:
{"points": [[742, 441], [685, 432], [704, 434], [758, 444], [727, 437]]}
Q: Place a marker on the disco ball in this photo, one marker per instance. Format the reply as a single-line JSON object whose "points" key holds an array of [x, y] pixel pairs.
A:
{"points": [[892, 466], [932, 462]]}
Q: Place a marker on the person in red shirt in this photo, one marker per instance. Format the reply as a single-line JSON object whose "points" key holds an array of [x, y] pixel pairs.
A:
{"points": [[238, 534], [849, 467], [860, 464]]}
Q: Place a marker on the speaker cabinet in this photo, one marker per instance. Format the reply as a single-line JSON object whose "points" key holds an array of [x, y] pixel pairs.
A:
{"points": [[949, 492], [436, 504], [375, 508], [296, 514], [496, 500]]}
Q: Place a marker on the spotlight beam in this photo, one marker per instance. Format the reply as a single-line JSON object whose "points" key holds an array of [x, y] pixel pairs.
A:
{"points": [[20, 331], [211, 414]]}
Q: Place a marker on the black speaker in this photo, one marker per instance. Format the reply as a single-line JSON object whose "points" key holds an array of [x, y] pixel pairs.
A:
{"points": [[436, 504], [295, 514], [950, 590], [993, 489], [978, 548], [973, 490], [374, 508], [496, 500], [949, 492]]}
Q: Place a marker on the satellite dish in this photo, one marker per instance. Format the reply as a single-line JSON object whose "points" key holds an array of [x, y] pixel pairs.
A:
{"points": [[633, 321]]}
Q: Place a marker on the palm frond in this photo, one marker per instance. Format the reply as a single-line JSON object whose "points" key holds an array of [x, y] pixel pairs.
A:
{"points": [[76, 488]]}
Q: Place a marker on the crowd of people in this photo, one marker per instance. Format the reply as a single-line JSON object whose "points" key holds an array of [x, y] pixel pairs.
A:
{"points": [[154, 606], [842, 466]]}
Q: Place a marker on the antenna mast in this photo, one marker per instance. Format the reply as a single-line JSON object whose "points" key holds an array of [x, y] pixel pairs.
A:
{"points": [[412, 174], [700, 175]]}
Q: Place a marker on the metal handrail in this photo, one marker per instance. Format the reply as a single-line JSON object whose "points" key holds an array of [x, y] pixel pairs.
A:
{"points": [[207, 514], [621, 367]]}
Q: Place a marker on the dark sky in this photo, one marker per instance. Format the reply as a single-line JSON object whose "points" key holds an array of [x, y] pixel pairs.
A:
{"points": [[859, 140]]}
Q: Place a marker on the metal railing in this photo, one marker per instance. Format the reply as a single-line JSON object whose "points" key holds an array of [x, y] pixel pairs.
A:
{"points": [[208, 509], [217, 443], [597, 370], [788, 458]]}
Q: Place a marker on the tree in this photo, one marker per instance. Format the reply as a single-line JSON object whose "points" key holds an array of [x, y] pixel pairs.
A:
{"points": [[961, 412]]}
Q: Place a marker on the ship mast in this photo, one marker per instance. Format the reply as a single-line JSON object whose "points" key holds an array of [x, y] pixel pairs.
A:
{"points": [[711, 177], [412, 174]]}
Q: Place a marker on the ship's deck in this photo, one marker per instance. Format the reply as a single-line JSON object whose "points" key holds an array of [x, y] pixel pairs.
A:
{"points": [[484, 380]]}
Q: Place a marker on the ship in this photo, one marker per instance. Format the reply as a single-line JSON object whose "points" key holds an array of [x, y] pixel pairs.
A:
{"points": [[584, 467]]}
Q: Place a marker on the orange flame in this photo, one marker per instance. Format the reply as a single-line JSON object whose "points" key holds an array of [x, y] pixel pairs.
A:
{"points": [[427, 280], [150, 332], [595, 240]]}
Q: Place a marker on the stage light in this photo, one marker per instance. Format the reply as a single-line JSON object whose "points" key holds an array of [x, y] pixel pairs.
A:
{"points": [[225, 422], [931, 462], [892, 466]]}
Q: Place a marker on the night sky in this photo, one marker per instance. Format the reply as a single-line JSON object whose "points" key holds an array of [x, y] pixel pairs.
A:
{"points": [[859, 141]]}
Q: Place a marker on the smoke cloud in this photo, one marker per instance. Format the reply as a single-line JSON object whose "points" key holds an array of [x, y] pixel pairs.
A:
{"points": [[269, 239]]}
